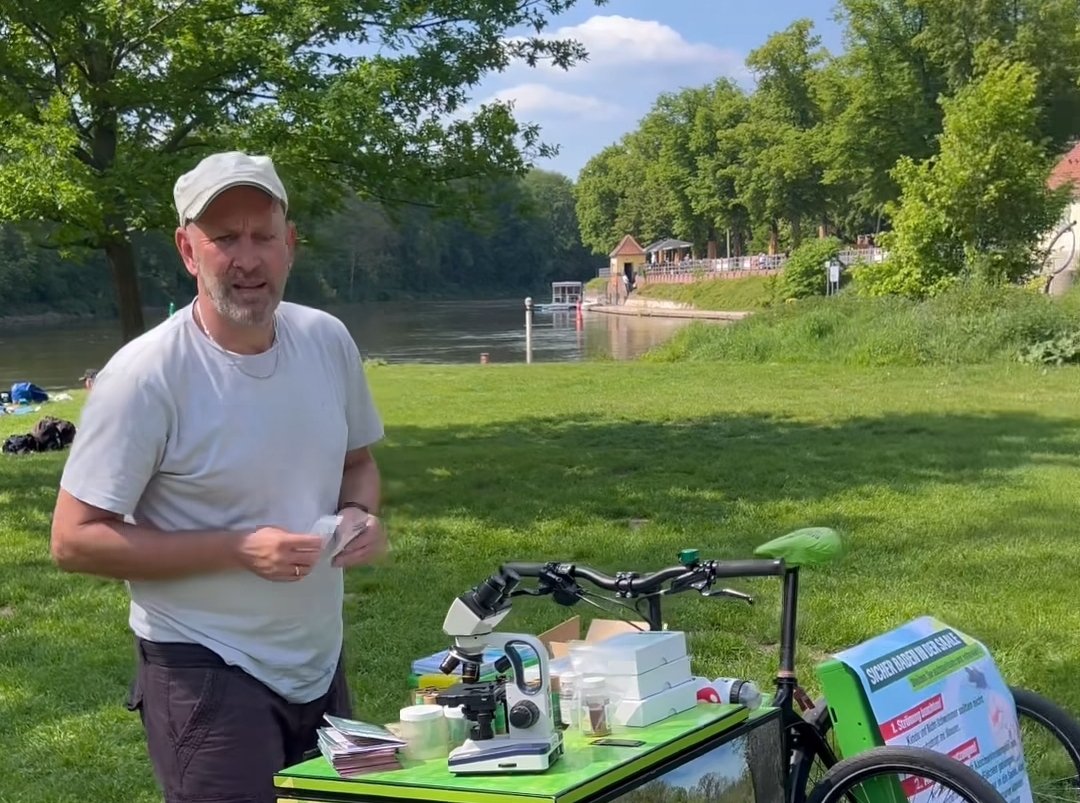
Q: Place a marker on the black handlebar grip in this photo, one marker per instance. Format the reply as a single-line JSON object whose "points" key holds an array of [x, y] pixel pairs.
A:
{"points": [[525, 569], [748, 568]]}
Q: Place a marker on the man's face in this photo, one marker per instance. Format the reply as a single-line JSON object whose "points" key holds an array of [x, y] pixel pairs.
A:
{"points": [[240, 251]]}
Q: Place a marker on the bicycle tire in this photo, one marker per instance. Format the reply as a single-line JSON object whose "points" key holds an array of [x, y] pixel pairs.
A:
{"points": [[1059, 722], [919, 761]]}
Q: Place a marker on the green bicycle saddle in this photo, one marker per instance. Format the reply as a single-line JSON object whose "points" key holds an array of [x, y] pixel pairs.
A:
{"points": [[810, 546]]}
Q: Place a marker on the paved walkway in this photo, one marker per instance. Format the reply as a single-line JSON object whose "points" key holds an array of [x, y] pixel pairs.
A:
{"points": [[650, 311]]}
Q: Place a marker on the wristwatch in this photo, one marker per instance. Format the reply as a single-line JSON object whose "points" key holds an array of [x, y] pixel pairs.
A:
{"points": [[357, 505]]}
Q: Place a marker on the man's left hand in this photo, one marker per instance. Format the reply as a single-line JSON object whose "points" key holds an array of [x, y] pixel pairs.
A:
{"points": [[367, 545]]}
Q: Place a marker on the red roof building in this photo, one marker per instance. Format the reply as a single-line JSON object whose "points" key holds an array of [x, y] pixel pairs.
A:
{"points": [[628, 247], [1067, 170]]}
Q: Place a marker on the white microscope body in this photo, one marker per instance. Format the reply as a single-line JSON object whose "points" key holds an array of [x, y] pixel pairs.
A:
{"points": [[533, 742]]}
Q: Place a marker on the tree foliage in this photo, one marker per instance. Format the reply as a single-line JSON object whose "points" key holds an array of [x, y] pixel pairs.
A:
{"points": [[979, 206], [939, 119], [105, 102], [525, 239]]}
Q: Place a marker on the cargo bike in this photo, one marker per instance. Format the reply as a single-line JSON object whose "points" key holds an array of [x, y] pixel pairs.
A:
{"points": [[820, 766]]}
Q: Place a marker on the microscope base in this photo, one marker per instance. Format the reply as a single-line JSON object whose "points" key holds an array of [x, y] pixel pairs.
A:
{"points": [[505, 755]]}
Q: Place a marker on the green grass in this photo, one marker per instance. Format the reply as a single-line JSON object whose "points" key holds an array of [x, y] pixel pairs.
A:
{"points": [[726, 295], [964, 326], [955, 489]]}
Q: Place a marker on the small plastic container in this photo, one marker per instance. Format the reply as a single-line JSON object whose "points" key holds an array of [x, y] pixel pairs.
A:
{"points": [[457, 726], [569, 700], [596, 709], [424, 729]]}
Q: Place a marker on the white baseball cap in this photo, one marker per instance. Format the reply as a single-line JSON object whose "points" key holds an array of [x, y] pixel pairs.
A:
{"points": [[221, 171]]}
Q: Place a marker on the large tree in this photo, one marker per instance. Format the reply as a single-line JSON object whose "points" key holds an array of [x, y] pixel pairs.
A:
{"points": [[105, 102], [779, 178], [980, 205]]}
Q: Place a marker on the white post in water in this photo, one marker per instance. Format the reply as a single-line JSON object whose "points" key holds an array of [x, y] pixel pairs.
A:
{"points": [[528, 329]]}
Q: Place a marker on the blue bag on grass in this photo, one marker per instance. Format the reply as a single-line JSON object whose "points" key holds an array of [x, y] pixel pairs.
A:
{"points": [[27, 393]]}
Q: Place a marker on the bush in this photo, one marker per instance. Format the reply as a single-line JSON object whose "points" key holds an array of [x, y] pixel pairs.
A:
{"points": [[804, 273], [965, 324]]}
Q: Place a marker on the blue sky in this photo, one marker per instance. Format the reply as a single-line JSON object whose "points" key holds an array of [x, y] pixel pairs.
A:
{"points": [[638, 49]]}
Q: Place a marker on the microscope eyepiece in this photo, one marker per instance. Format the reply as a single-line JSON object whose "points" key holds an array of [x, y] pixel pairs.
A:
{"points": [[490, 595]]}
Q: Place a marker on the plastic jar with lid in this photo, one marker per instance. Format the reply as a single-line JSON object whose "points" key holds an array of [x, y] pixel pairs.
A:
{"points": [[569, 699], [425, 731], [595, 710]]}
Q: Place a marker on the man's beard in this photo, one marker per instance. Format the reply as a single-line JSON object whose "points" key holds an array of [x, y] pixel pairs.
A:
{"points": [[231, 304]]}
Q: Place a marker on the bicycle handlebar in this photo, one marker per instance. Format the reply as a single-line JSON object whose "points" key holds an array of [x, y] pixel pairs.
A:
{"points": [[633, 584]]}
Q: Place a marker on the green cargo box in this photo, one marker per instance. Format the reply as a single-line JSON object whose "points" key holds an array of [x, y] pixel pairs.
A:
{"points": [[705, 750], [854, 726]]}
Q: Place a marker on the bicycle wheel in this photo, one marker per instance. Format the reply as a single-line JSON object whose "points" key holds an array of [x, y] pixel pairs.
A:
{"points": [[1051, 740], [865, 778], [1049, 734]]}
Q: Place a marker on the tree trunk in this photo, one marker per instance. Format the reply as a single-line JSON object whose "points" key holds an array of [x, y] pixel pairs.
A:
{"points": [[121, 257], [796, 233], [774, 238]]}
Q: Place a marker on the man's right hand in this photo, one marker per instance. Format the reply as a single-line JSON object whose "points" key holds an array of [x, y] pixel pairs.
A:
{"points": [[276, 554]]}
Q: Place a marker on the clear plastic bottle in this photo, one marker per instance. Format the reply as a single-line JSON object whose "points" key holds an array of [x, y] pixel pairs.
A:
{"points": [[568, 699], [736, 690], [595, 707]]}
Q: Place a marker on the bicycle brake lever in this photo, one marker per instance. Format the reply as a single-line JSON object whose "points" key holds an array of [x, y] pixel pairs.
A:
{"points": [[530, 592], [727, 592]]}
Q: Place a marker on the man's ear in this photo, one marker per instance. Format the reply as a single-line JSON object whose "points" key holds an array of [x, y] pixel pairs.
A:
{"points": [[187, 253]]}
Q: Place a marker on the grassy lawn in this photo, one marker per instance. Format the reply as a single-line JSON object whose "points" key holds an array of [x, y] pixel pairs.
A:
{"points": [[726, 295], [955, 488]]}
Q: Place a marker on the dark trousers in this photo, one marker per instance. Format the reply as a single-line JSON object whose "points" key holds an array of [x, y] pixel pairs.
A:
{"points": [[213, 732]]}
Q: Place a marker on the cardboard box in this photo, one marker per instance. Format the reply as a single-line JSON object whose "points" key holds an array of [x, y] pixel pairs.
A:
{"points": [[656, 708], [559, 638], [655, 681], [633, 653]]}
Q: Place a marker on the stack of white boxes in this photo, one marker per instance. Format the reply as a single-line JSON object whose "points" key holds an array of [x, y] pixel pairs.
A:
{"points": [[647, 674]]}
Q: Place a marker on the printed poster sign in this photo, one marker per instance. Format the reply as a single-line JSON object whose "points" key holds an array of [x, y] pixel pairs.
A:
{"points": [[929, 685]]}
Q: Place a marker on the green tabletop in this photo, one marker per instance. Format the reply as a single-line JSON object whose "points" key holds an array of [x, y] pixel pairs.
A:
{"points": [[582, 771]]}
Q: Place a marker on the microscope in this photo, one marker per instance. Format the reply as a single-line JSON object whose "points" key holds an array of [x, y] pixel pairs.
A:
{"points": [[532, 743]]}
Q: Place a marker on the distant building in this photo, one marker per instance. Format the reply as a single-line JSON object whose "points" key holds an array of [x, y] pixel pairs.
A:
{"points": [[669, 251], [1063, 243], [627, 258]]}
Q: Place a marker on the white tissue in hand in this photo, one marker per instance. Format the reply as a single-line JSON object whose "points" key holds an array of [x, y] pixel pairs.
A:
{"points": [[326, 528]]}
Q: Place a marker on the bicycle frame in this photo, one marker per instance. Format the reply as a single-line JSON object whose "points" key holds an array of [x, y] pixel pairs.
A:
{"points": [[801, 737]]}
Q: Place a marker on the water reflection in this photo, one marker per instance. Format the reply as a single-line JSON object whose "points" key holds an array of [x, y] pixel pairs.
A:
{"points": [[416, 332]]}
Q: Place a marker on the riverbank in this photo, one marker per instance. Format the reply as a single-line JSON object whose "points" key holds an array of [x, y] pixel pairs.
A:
{"points": [[964, 326], [648, 308], [975, 466], [43, 320], [707, 299], [743, 294]]}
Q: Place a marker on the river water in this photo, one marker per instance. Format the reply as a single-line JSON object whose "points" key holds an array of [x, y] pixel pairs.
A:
{"points": [[418, 332]]}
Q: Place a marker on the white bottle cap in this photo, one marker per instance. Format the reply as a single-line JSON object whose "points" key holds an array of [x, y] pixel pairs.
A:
{"points": [[593, 683]]}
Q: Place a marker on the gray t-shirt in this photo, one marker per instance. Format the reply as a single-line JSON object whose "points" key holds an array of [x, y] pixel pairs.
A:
{"points": [[182, 435]]}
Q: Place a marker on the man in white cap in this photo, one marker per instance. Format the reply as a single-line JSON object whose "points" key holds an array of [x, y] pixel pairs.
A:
{"points": [[197, 477]]}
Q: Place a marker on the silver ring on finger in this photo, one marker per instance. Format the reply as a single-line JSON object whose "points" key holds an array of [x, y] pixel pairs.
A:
{"points": [[296, 569]]}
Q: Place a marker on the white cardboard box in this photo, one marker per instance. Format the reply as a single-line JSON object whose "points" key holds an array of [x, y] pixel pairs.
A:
{"points": [[633, 653], [639, 713], [655, 681]]}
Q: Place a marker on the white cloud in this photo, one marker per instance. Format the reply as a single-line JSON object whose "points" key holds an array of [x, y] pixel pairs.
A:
{"points": [[532, 98], [617, 41], [630, 61]]}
